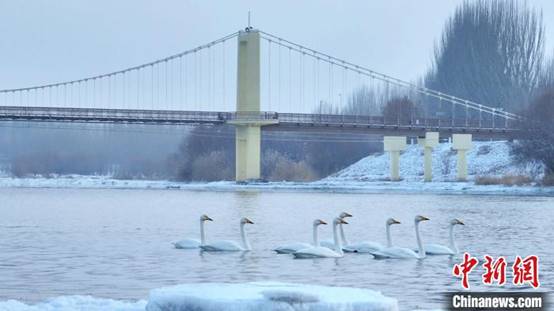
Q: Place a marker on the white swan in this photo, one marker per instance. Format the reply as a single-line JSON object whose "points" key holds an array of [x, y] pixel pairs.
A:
{"points": [[331, 243], [194, 243], [321, 251], [231, 246], [293, 247], [368, 247], [452, 248], [402, 252]]}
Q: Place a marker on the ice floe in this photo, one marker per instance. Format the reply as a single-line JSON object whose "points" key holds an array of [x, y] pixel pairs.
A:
{"points": [[266, 296], [225, 296]]}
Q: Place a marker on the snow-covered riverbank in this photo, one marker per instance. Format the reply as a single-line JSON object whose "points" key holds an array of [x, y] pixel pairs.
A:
{"points": [[369, 175], [485, 159], [327, 185]]}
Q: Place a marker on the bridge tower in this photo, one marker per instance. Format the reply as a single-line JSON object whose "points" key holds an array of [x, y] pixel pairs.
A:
{"points": [[248, 122]]}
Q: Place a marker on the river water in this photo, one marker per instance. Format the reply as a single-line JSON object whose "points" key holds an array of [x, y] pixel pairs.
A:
{"points": [[118, 243]]}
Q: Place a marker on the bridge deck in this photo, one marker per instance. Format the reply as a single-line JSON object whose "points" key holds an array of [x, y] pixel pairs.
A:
{"points": [[285, 121]]}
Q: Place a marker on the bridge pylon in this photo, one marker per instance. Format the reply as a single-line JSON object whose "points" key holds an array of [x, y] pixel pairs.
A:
{"points": [[248, 122]]}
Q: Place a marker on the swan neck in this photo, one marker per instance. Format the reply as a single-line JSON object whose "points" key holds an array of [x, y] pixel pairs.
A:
{"points": [[315, 235], [245, 242], [389, 239], [338, 244], [202, 233], [451, 241], [419, 242], [342, 236]]}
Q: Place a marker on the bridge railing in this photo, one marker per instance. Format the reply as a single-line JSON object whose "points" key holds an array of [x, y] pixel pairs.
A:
{"points": [[110, 115], [415, 122], [182, 117]]}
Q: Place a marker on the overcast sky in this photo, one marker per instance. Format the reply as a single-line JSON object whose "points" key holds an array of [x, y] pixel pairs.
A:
{"points": [[49, 41]]}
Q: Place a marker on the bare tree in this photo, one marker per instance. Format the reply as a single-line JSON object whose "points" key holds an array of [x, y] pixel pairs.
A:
{"points": [[399, 110], [365, 100], [537, 143], [547, 76], [491, 52]]}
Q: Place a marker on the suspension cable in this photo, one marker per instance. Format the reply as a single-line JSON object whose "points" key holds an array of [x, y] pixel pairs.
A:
{"points": [[201, 47], [398, 82]]}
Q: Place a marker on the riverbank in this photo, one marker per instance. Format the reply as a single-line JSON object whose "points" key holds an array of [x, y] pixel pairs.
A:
{"points": [[326, 185]]}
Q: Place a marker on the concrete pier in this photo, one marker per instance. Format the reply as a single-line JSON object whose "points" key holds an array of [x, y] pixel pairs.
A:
{"points": [[393, 145], [430, 141], [461, 143], [248, 124]]}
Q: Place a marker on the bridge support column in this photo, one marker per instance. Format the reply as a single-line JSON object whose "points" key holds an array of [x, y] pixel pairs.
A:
{"points": [[430, 141], [461, 143], [248, 124], [393, 145], [248, 141]]}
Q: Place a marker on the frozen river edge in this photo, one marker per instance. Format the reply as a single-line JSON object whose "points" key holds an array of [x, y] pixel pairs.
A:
{"points": [[413, 187]]}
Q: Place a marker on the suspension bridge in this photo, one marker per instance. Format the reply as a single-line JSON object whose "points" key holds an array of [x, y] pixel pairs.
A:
{"points": [[252, 80]]}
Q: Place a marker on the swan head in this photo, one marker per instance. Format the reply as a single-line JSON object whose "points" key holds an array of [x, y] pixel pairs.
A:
{"points": [[420, 218], [205, 218], [318, 222], [456, 221], [392, 221], [339, 220], [244, 221], [345, 215]]}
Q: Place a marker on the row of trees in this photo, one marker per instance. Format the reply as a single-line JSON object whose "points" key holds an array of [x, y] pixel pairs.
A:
{"points": [[491, 52], [538, 141], [208, 154], [122, 151]]}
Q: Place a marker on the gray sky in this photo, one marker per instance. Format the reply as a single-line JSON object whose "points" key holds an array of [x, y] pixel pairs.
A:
{"points": [[48, 41]]}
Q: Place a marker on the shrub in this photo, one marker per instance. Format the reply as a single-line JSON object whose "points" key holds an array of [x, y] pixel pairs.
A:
{"points": [[279, 167], [548, 180], [507, 180], [212, 167]]}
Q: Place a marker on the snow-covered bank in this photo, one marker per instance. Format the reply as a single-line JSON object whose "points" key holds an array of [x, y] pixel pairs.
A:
{"points": [[221, 296], [326, 185], [369, 175], [484, 159]]}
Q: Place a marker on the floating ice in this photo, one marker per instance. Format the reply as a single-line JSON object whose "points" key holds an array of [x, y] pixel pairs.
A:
{"points": [[74, 303], [266, 296]]}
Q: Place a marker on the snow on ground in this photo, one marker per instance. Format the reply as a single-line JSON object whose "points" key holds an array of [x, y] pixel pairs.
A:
{"points": [[74, 303], [484, 159], [221, 296], [267, 296], [369, 175], [330, 184]]}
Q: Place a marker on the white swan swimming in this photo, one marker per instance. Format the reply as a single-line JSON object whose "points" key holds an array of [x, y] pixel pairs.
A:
{"points": [[293, 247], [331, 243], [368, 247], [321, 251], [452, 248], [194, 243], [231, 246], [402, 252]]}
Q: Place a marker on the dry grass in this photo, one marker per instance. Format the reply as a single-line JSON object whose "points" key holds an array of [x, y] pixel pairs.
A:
{"points": [[507, 180], [548, 180]]}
